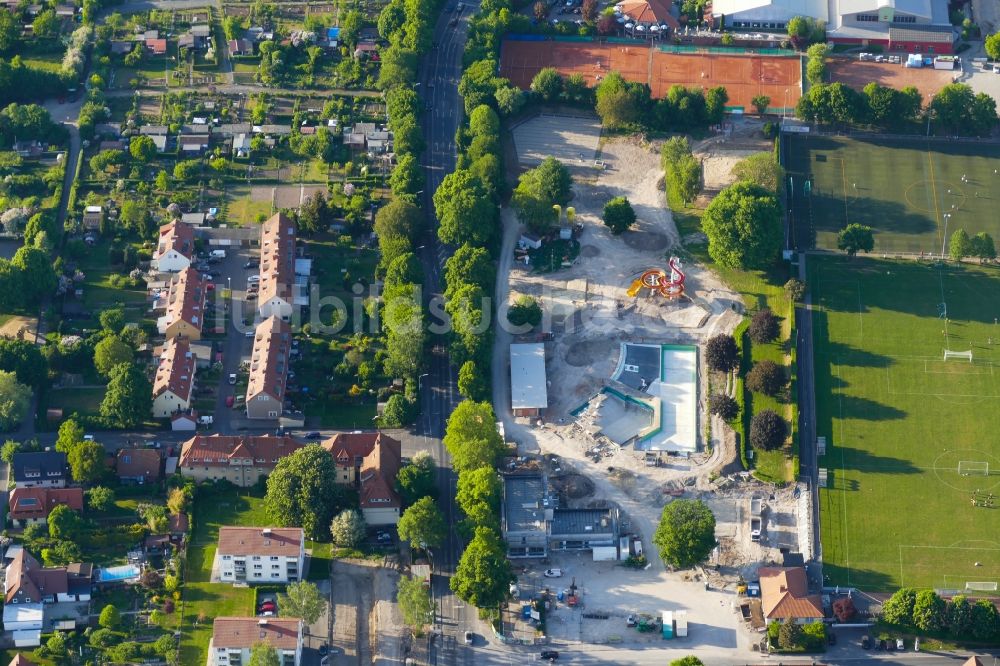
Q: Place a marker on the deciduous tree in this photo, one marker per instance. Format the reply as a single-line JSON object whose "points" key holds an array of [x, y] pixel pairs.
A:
{"points": [[302, 491], [414, 599], [929, 611], [743, 225], [422, 524], [86, 462], [618, 215], [767, 430], [302, 600], [348, 528], [766, 377], [856, 238], [686, 533], [416, 479], [15, 400], [898, 609], [723, 406], [478, 494], [764, 326], [262, 653], [483, 574], [547, 84], [111, 351], [525, 311], [721, 353], [128, 399], [465, 211], [471, 436]]}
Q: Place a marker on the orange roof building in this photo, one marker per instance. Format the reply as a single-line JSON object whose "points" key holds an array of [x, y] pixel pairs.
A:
{"points": [[370, 462], [268, 369], [174, 248], [33, 505], [785, 595], [138, 465], [173, 383], [648, 12], [240, 459], [259, 555], [185, 306], [277, 267], [234, 637]]}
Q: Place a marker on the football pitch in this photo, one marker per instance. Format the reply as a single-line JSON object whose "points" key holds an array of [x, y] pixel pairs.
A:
{"points": [[913, 193], [913, 454]]}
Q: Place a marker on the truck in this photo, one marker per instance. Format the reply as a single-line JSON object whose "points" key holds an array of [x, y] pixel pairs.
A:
{"points": [[681, 624], [218, 254], [755, 528]]}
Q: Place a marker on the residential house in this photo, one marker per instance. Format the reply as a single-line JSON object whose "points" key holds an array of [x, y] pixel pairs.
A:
{"points": [[160, 141], [109, 129], [380, 504], [379, 141], [366, 50], [332, 38], [156, 47], [240, 459], [150, 34], [30, 506], [154, 130], [277, 267], [65, 11], [260, 554], [784, 595], [369, 462], [273, 130], [268, 369], [202, 352], [240, 47], [194, 219], [230, 130], [20, 660], [241, 145], [28, 582], [233, 639], [140, 465], [357, 136], [193, 143], [201, 30], [92, 217], [40, 469], [175, 247], [121, 47], [185, 306], [533, 523], [118, 144], [173, 384]]}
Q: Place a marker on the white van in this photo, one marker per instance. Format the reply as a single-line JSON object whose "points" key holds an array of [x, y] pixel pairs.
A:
{"points": [[253, 279], [219, 254]]}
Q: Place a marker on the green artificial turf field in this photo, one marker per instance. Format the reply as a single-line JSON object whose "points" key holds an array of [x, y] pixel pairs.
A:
{"points": [[899, 420], [903, 189]]}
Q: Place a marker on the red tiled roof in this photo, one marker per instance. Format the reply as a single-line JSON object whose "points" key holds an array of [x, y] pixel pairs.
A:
{"points": [[135, 463], [186, 298], [349, 447], [20, 660], [269, 359], [243, 632], [28, 582], [260, 540], [175, 372], [28, 503], [158, 46], [178, 236], [219, 450], [785, 594], [649, 12], [378, 474], [277, 259]]}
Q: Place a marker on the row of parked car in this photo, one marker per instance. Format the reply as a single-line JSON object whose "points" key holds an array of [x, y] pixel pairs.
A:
{"points": [[890, 645]]}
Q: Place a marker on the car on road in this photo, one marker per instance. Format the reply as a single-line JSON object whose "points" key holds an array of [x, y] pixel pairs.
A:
{"points": [[469, 637], [551, 655], [866, 642], [315, 434], [553, 573], [253, 263], [453, 22], [253, 279], [230, 400], [232, 379], [630, 621]]}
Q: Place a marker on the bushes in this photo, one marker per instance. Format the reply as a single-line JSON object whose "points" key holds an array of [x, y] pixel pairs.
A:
{"points": [[723, 406]]}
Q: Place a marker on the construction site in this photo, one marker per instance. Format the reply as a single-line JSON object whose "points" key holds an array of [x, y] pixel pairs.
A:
{"points": [[626, 425]]}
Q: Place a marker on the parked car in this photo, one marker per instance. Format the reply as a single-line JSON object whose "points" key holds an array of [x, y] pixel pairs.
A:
{"points": [[229, 401], [267, 606], [253, 263], [469, 638], [232, 379], [383, 537], [551, 655], [630, 621], [315, 434], [899, 644], [553, 573], [866, 642]]}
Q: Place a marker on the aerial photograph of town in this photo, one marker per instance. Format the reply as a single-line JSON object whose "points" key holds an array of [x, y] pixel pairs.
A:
{"points": [[488, 332]]}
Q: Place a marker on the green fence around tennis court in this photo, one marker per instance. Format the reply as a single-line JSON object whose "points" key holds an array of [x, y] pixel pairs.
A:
{"points": [[725, 50]]}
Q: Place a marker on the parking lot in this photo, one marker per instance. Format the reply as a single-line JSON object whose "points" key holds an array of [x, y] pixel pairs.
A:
{"points": [[608, 593]]}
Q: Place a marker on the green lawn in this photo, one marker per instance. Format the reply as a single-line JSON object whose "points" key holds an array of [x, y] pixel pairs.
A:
{"points": [[902, 189], [97, 289], [210, 600], [759, 289], [898, 420], [80, 400]]}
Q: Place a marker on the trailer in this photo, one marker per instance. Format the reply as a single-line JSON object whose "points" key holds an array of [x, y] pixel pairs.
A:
{"points": [[605, 553], [668, 625], [946, 62]]}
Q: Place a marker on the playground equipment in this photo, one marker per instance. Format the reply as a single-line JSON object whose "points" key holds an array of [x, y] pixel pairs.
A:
{"points": [[656, 280]]}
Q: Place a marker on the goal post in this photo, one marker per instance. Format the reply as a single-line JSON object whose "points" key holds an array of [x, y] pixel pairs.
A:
{"points": [[967, 355], [973, 467], [984, 586]]}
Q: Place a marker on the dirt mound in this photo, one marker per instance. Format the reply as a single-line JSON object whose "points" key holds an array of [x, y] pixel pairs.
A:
{"points": [[583, 353], [573, 486], [588, 251]]}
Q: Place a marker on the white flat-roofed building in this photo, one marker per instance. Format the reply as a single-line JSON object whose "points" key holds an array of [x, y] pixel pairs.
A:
{"points": [[528, 391]]}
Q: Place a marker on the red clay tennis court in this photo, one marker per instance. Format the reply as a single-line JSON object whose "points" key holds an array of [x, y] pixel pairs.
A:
{"points": [[744, 76]]}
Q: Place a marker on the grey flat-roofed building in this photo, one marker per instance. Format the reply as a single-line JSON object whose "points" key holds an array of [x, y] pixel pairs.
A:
{"points": [[533, 523]]}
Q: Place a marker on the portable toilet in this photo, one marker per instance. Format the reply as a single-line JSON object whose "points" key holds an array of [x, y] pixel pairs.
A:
{"points": [[681, 620], [668, 624]]}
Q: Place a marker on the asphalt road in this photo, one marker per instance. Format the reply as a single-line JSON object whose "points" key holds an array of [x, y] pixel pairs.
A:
{"points": [[807, 403], [438, 87]]}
